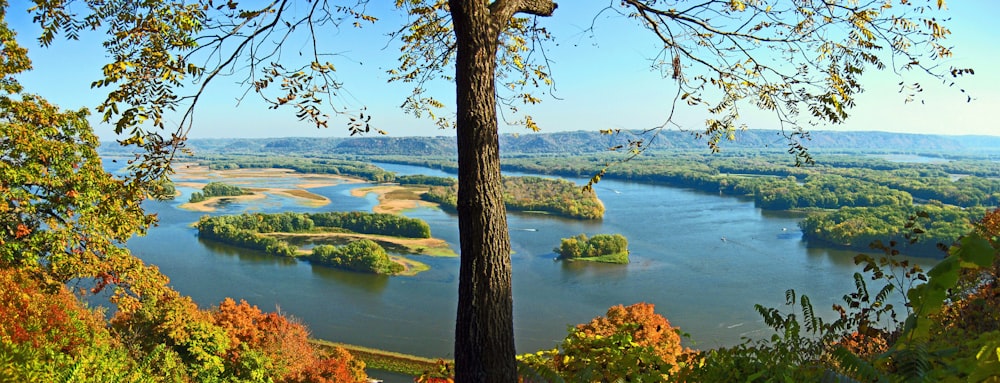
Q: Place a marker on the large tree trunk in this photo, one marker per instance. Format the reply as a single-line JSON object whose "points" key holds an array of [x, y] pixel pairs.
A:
{"points": [[484, 332]]}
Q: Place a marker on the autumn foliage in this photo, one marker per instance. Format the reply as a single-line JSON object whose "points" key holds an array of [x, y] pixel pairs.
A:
{"points": [[285, 343], [646, 327], [42, 319], [977, 309]]}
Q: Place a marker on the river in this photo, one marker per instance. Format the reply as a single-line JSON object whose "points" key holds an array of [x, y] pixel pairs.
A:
{"points": [[704, 260]]}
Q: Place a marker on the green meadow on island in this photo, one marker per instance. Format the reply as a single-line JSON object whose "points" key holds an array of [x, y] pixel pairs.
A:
{"points": [[742, 206]]}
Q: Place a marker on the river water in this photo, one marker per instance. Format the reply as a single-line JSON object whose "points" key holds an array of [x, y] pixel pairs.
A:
{"points": [[704, 260]]}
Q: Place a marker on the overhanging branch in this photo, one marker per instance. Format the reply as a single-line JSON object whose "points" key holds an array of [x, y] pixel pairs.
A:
{"points": [[503, 10]]}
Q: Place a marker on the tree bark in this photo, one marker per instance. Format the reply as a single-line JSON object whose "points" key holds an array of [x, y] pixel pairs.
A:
{"points": [[484, 331]]}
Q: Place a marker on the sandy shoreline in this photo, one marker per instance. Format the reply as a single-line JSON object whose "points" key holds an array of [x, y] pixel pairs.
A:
{"points": [[394, 199], [193, 173]]}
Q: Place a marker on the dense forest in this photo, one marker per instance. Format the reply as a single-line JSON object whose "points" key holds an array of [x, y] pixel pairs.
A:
{"points": [[606, 248], [362, 255]]}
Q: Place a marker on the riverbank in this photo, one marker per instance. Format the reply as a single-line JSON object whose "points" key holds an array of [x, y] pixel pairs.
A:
{"points": [[384, 360]]}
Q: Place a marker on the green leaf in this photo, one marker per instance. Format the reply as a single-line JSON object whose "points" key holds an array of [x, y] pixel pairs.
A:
{"points": [[974, 251]]}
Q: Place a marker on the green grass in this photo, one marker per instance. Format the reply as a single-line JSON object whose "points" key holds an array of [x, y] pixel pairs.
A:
{"points": [[617, 258], [384, 360]]}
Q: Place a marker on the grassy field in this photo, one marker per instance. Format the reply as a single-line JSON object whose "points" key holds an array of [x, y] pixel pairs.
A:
{"points": [[385, 360]]}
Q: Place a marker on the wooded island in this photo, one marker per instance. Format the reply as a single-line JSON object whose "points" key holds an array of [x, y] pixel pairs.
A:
{"points": [[267, 233]]}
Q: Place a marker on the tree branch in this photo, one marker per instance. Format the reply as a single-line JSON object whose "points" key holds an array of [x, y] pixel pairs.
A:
{"points": [[503, 10]]}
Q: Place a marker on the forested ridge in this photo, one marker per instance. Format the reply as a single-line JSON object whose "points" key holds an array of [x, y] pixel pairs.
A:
{"points": [[585, 142]]}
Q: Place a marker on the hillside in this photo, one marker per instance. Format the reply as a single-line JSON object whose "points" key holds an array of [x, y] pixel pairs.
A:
{"points": [[583, 142]]}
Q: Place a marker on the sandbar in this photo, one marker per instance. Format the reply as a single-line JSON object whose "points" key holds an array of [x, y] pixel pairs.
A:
{"points": [[193, 173], [394, 199], [210, 203]]}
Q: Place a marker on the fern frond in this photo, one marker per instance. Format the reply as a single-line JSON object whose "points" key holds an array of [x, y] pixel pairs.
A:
{"points": [[855, 368], [884, 293], [808, 316], [859, 283], [912, 363]]}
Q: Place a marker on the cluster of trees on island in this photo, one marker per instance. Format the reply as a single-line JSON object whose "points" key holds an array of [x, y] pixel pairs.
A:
{"points": [[217, 189], [605, 248], [362, 255], [251, 231], [554, 196]]}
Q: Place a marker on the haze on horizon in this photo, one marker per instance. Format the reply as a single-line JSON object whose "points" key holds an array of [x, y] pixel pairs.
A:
{"points": [[603, 81]]}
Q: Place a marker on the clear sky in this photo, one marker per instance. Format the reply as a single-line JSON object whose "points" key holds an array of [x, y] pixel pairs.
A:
{"points": [[603, 80]]}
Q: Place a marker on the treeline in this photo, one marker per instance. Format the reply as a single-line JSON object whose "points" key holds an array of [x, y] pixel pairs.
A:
{"points": [[858, 227], [303, 165], [420, 179], [244, 231], [361, 255], [217, 189], [554, 196], [608, 248], [373, 223]]}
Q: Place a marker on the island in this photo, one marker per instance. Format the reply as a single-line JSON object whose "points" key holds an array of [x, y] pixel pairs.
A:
{"points": [[604, 248], [533, 195], [217, 189], [365, 235]]}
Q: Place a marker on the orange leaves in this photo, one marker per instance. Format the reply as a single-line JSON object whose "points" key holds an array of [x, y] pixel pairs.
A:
{"points": [[22, 231], [651, 329], [339, 366], [285, 343], [46, 321]]}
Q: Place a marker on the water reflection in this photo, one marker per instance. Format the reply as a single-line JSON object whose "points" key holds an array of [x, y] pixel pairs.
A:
{"points": [[371, 283], [246, 255]]}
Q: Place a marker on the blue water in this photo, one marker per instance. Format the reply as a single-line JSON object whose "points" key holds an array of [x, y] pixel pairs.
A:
{"points": [[704, 260]]}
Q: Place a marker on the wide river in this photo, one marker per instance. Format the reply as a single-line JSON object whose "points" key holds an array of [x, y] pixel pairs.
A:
{"points": [[704, 260]]}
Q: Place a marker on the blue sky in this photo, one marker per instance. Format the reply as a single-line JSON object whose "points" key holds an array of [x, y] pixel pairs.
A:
{"points": [[603, 80]]}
